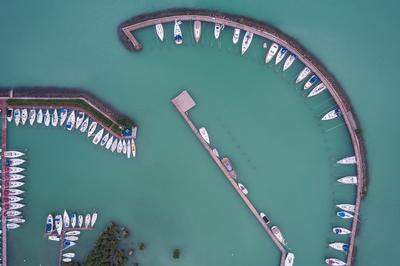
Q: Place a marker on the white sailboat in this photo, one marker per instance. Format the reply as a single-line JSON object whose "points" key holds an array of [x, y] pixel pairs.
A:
{"points": [[243, 188], [303, 74], [71, 121], [15, 170], [281, 54], [133, 146], [71, 238], [289, 61], [58, 222], [12, 225], [15, 177], [66, 219], [66, 259], [63, 116], [348, 180], [289, 260], [310, 82], [332, 114], [84, 125], [14, 191], [197, 30], [119, 147], [339, 246], [13, 213], [341, 231], [14, 206], [24, 116], [160, 31], [87, 220], [271, 52], [12, 199], [334, 262], [128, 150], [79, 119], [47, 118], [32, 116], [13, 184], [94, 219], [98, 136], [248, 37], [124, 147], [17, 116], [54, 118], [236, 36], [14, 161], [204, 134], [69, 255], [39, 117], [347, 207], [92, 129], [278, 234], [13, 154], [109, 142], [53, 238], [80, 221], [73, 233], [178, 32], [73, 219], [16, 220], [217, 30], [114, 145], [348, 160], [104, 139], [317, 90]]}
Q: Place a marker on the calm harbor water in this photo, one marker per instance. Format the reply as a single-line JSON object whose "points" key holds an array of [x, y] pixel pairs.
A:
{"points": [[172, 195]]}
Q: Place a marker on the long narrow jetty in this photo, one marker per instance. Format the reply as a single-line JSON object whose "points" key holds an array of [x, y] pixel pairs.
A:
{"points": [[3, 179], [183, 103], [266, 31]]}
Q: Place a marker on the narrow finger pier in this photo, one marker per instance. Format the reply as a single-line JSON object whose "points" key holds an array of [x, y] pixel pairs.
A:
{"points": [[183, 103]]}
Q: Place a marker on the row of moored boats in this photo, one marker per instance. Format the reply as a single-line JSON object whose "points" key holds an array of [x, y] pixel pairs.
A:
{"points": [[280, 53], [289, 260], [73, 120]]}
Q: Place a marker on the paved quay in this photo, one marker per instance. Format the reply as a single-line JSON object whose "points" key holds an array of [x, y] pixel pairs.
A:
{"points": [[183, 103]]}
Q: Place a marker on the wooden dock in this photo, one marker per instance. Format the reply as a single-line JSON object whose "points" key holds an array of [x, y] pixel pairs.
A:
{"points": [[183, 103], [3, 180]]}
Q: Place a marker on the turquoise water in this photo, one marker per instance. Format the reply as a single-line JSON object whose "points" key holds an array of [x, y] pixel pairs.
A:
{"points": [[172, 195]]}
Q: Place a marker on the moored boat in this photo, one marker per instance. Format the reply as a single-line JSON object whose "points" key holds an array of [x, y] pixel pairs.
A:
{"points": [[114, 145], [63, 115], [278, 234], [303, 74], [15, 177], [69, 255], [12, 198], [197, 30], [72, 233], [217, 30], [70, 121], [344, 215], [289, 260], [87, 220], [94, 219], [332, 114], [16, 220], [13, 154], [334, 262], [54, 118], [228, 166], [24, 116], [17, 116], [339, 246], [73, 219], [341, 231], [119, 147], [215, 151], [66, 259], [92, 129], [58, 223], [281, 54], [348, 160], [68, 244], [204, 134], [310, 82], [124, 147], [98, 136], [84, 125], [348, 180], [32, 116], [53, 238], [14, 161], [347, 207], [14, 191], [109, 142], [66, 219], [80, 220], [49, 224], [243, 188], [160, 31], [13, 184], [15, 170], [236, 36], [39, 116], [178, 32], [79, 119], [71, 238], [271, 52], [47, 118], [13, 206], [317, 90], [10, 113], [133, 148], [12, 225], [104, 139], [248, 37], [13, 213], [289, 61], [128, 149]]}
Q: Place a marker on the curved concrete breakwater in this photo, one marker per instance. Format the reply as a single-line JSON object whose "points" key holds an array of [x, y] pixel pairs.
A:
{"points": [[261, 29]]}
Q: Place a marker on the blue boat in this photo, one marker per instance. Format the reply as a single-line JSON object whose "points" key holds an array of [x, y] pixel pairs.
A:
{"points": [[344, 215], [311, 81], [49, 224], [68, 244]]}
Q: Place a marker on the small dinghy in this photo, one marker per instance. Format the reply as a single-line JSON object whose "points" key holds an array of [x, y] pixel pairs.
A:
{"points": [[281, 54], [73, 219], [67, 260], [39, 116], [47, 118], [278, 234], [63, 116], [79, 119], [71, 238], [92, 129], [54, 118], [310, 82], [332, 114], [248, 37], [339, 246], [160, 31], [14, 192], [133, 148], [98, 136], [69, 255], [348, 160], [58, 223], [124, 147], [49, 224], [104, 139], [348, 180], [236, 36], [109, 142], [303, 74], [217, 30], [119, 147], [14, 161], [128, 149], [17, 116], [13, 213], [80, 220], [344, 215], [347, 207], [271, 52], [54, 238], [317, 90], [178, 32], [10, 113], [13, 154], [16, 220], [66, 219], [334, 262], [15, 170], [32, 116], [289, 260], [341, 231], [114, 145], [84, 125], [197, 30], [72, 233], [87, 220], [94, 219], [67, 244], [71, 121], [289, 61], [243, 188], [16, 177], [12, 225], [13, 184], [204, 134], [24, 116], [215, 151]]}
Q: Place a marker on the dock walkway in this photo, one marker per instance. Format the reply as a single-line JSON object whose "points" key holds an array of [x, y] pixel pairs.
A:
{"points": [[183, 103], [3, 179]]}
